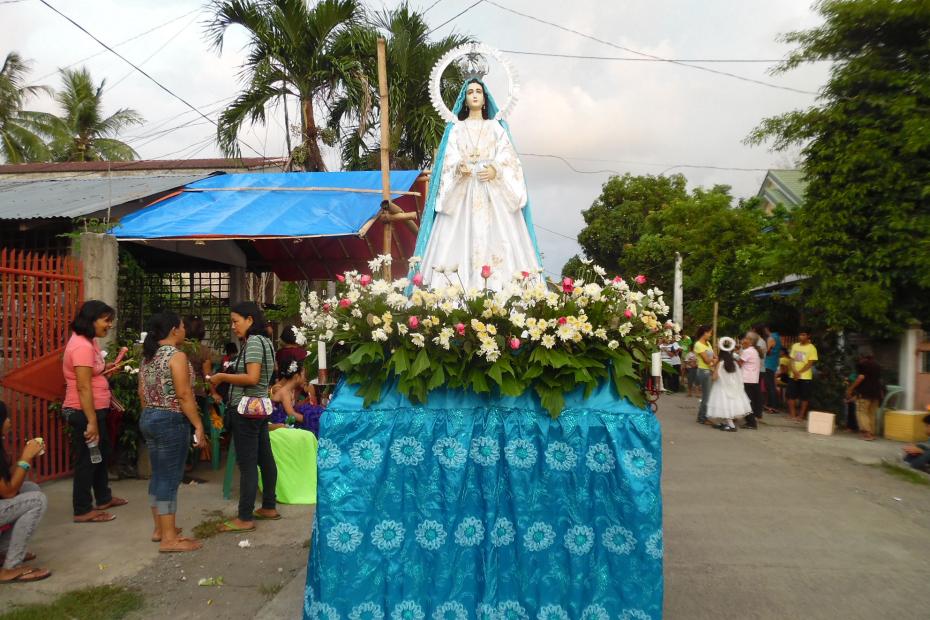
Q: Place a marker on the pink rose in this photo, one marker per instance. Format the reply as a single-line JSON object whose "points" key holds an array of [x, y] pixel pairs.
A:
{"points": [[514, 343], [640, 279], [628, 313], [562, 320], [418, 279], [485, 271], [344, 303], [365, 280], [460, 329], [340, 277], [525, 274], [326, 307], [568, 285], [413, 322], [618, 279]]}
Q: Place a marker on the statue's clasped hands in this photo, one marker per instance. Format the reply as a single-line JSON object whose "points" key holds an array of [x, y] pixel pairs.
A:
{"points": [[487, 173]]}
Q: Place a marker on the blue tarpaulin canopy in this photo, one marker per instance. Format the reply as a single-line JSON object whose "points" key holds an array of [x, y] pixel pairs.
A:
{"points": [[271, 205]]}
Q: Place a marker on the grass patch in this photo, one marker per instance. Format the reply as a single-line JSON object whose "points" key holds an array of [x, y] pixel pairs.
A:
{"points": [[99, 603], [210, 526], [905, 473], [270, 589]]}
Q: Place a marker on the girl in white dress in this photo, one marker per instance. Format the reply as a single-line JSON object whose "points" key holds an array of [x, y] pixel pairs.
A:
{"points": [[728, 399]]}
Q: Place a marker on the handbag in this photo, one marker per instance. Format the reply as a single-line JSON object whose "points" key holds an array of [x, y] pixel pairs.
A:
{"points": [[255, 407]]}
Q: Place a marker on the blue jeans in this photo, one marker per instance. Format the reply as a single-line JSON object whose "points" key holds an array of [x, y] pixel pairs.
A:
{"points": [[704, 380], [168, 436]]}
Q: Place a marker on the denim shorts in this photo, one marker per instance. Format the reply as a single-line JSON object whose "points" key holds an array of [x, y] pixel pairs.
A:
{"points": [[168, 437]]}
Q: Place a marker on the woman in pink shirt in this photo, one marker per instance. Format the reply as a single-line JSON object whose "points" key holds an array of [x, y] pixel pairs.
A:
{"points": [[751, 365], [87, 402]]}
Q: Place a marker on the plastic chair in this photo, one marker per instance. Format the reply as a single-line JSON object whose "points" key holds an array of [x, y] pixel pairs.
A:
{"points": [[892, 396]]}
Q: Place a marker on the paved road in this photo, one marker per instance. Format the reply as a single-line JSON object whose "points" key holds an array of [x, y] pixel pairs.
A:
{"points": [[777, 523]]}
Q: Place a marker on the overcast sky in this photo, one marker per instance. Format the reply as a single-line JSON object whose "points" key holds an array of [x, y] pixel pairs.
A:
{"points": [[603, 116]]}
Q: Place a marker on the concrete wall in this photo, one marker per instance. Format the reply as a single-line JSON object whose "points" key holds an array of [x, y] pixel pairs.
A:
{"points": [[99, 255]]}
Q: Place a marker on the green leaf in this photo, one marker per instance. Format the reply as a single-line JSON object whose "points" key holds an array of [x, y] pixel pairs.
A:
{"points": [[400, 361], [512, 386], [478, 381], [438, 378], [552, 400], [420, 364], [495, 373]]}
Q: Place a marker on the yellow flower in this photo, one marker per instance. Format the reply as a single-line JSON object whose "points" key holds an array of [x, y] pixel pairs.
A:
{"points": [[386, 317], [548, 341], [478, 326], [492, 330]]}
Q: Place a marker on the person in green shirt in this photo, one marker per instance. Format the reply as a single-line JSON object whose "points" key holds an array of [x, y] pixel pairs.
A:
{"points": [[801, 376]]}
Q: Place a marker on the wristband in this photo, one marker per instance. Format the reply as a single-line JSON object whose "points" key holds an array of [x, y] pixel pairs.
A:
{"points": [[24, 465]]}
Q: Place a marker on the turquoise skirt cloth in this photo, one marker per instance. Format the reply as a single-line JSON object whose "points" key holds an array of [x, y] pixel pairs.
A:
{"points": [[478, 508]]}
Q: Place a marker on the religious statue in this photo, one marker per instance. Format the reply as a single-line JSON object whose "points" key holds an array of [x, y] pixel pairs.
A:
{"points": [[477, 212]]}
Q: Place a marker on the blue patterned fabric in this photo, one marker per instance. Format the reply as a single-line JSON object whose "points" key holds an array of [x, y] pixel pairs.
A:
{"points": [[471, 507]]}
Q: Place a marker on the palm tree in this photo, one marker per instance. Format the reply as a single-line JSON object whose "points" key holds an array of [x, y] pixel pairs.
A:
{"points": [[416, 129], [296, 50], [20, 130], [83, 133]]}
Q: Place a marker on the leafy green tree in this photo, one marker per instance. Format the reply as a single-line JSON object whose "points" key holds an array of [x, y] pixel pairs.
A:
{"points": [[294, 50], [83, 133], [415, 128], [863, 234], [21, 131]]}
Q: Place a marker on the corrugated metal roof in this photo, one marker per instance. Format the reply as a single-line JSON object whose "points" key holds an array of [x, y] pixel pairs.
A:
{"points": [[27, 199], [793, 181], [214, 163]]}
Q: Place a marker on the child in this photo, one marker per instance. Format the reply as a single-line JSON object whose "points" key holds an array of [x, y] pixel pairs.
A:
{"points": [[284, 395], [728, 400], [918, 455]]}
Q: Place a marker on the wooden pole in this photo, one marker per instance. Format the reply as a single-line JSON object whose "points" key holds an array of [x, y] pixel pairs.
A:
{"points": [[713, 330], [385, 150]]}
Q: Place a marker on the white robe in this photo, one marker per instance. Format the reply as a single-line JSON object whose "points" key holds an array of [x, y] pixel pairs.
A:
{"points": [[479, 223]]}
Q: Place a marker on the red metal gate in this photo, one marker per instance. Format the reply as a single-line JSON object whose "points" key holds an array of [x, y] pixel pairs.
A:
{"points": [[39, 295]]}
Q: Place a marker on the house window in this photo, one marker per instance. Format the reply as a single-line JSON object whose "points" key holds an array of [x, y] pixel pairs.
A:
{"points": [[925, 361]]}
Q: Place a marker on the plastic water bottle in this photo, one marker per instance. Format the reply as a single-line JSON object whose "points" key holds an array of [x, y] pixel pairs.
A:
{"points": [[95, 456]]}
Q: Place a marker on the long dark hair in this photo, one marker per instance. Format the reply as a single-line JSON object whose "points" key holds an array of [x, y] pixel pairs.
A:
{"points": [[464, 112], [703, 329], [4, 459], [196, 330], [729, 364], [247, 309], [89, 312], [157, 328]]}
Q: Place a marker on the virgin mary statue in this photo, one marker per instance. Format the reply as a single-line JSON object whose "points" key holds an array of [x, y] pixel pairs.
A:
{"points": [[477, 213]]}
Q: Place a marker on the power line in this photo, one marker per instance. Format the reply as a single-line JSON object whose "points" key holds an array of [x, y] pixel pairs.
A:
{"points": [[638, 163], [121, 43], [555, 232], [652, 56], [153, 80], [153, 54], [456, 16], [642, 59], [430, 7]]}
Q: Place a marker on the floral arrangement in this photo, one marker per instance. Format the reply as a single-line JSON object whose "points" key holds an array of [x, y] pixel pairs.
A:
{"points": [[548, 337]]}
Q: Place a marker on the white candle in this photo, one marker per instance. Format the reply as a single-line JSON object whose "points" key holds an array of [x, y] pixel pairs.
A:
{"points": [[321, 354], [656, 364]]}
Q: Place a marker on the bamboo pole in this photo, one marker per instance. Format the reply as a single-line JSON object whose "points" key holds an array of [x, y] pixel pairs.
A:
{"points": [[385, 150]]}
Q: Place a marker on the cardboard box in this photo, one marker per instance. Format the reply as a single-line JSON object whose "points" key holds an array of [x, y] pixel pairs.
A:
{"points": [[905, 426], [820, 422]]}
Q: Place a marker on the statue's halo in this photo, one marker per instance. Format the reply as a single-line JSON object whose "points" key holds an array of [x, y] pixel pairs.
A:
{"points": [[435, 80]]}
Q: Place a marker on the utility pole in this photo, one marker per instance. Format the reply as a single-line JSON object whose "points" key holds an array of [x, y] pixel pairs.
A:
{"points": [[678, 300]]}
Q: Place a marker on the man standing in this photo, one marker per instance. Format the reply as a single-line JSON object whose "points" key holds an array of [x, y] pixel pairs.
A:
{"points": [[773, 340], [867, 389], [803, 356]]}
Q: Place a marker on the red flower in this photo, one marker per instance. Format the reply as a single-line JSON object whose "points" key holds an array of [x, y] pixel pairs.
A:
{"points": [[326, 308], [568, 285], [344, 303], [418, 279], [562, 320], [514, 343], [525, 274], [365, 280], [413, 322], [640, 279], [628, 313], [618, 279], [485, 271], [460, 329], [340, 277]]}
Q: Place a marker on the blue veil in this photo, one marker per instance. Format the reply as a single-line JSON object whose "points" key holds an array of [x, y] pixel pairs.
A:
{"points": [[429, 212]]}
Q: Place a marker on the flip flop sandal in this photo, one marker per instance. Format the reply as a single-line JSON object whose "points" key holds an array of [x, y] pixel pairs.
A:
{"points": [[102, 517], [23, 577], [178, 530], [260, 517], [190, 546], [113, 503], [229, 526]]}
